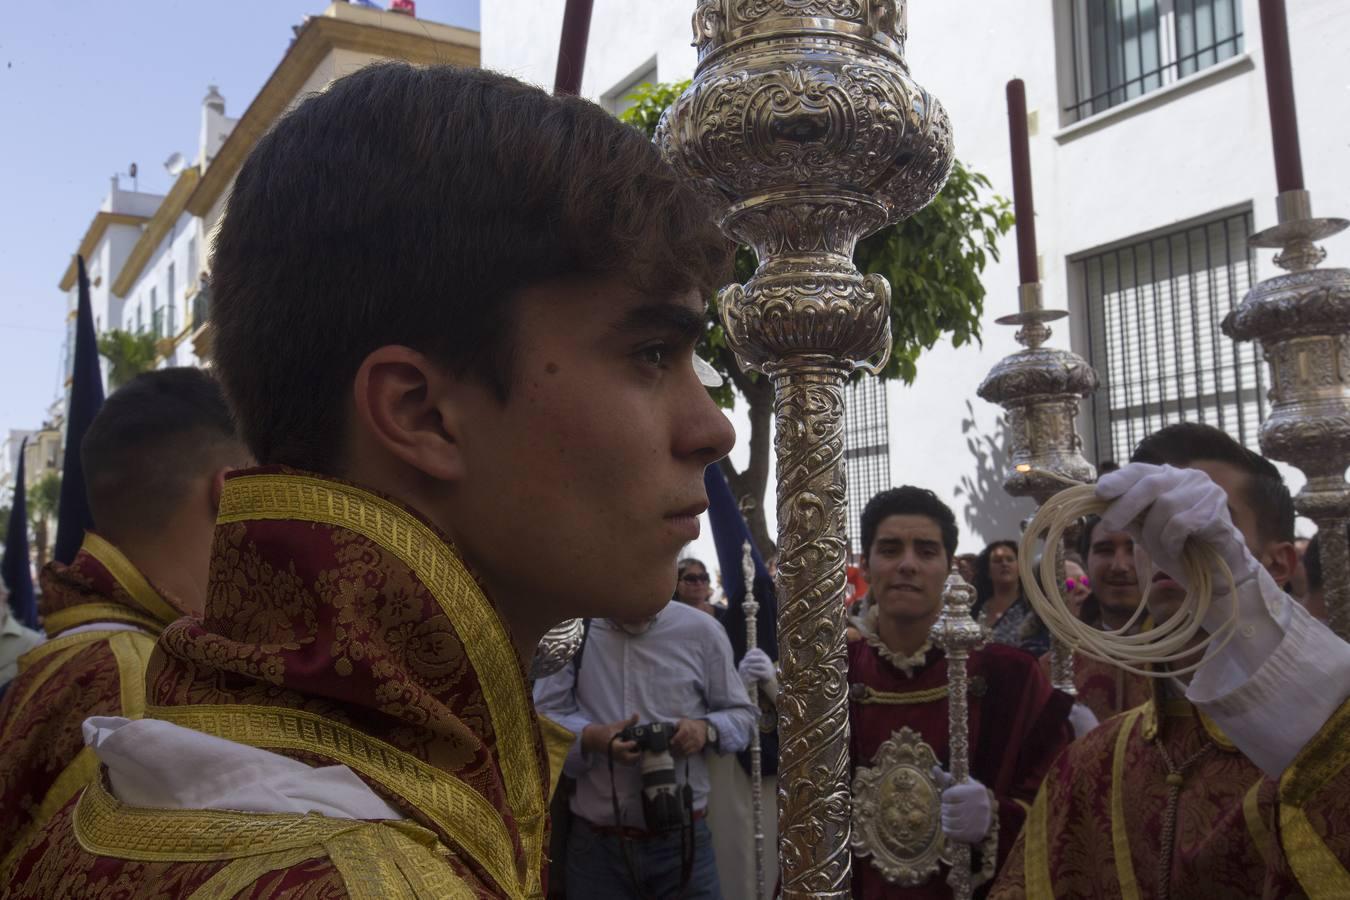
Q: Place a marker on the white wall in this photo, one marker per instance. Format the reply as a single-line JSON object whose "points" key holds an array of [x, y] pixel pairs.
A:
{"points": [[1179, 156]]}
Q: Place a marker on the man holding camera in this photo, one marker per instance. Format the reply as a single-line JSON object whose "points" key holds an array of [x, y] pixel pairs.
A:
{"points": [[646, 699]]}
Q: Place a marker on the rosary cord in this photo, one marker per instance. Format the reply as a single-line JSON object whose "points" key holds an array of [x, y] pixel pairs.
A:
{"points": [[1168, 642]]}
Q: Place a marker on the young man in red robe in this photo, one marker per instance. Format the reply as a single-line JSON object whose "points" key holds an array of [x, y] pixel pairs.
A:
{"points": [[1104, 689], [455, 317], [155, 459], [1232, 783], [898, 712]]}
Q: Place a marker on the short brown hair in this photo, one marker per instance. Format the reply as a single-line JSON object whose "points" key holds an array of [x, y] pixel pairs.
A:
{"points": [[410, 206], [1186, 443], [152, 438]]}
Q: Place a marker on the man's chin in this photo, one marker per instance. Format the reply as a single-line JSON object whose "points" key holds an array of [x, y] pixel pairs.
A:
{"points": [[636, 611], [907, 610], [1163, 604]]}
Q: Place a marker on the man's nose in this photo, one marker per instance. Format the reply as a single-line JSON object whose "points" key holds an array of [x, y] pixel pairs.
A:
{"points": [[706, 432]]}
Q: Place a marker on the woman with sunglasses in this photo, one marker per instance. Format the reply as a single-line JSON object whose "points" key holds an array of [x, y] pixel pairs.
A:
{"points": [[693, 585]]}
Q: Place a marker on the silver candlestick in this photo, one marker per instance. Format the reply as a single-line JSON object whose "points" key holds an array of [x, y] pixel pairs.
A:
{"points": [[1302, 321], [1040, 387]]}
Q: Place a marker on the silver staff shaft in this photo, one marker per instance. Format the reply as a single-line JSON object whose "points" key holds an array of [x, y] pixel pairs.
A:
{"points": [[751, 607], [957, 632]]}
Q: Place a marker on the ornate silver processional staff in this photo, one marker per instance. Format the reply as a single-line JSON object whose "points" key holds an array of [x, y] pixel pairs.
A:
{"points": [[957, 633], [805, 131], [751, 608]]}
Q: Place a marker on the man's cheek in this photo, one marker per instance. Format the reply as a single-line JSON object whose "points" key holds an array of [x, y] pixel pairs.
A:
{"points": [[1143, 565]]}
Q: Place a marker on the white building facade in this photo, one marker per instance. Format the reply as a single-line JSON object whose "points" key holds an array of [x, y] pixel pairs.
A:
{"points": [[1152, 163], [148, 255]]}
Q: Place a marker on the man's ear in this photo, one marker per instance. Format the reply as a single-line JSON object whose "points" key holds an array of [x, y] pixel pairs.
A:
{"points": [[217, 486], [403, 405], [863, 568], [1280, 560]]}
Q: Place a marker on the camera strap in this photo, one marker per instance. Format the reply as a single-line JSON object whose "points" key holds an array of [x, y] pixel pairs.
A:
{"points": [[687, 838]]}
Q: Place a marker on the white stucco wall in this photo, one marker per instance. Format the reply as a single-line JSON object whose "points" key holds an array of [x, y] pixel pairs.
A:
{"points": [[1181, 155]]}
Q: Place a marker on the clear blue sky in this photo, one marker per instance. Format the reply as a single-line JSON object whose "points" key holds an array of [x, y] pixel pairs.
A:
{"points": [[86, 88]]}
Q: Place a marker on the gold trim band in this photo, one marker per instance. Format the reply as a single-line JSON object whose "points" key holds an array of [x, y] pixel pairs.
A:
{"points": [[459, 810], [104, 826], [1256, 826], [1120, 837], [865, 695], [96, 613], [62, 642], [1320, 873], [130, 578]]}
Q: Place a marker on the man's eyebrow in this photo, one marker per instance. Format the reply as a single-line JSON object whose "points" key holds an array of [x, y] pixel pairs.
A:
{"points": [[673, 318]]}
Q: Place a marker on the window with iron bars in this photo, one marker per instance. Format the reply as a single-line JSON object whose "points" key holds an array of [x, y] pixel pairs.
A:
{"points": [[867, 452], [1154, 310], [1123, 49]]}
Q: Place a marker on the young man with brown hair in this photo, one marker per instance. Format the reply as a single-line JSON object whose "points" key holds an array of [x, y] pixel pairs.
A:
{"points": [[1231, 784], [898, 714], [1104, 689], [436, 293], [155, 459]]}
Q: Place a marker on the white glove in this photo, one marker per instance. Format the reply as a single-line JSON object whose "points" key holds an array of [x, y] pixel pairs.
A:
{"points": [[1161, 506], [1082, 719], [755, 667], [967, 808]]}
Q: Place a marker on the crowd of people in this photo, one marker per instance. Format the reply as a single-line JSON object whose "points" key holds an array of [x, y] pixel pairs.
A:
{"points": [[293, 656]]}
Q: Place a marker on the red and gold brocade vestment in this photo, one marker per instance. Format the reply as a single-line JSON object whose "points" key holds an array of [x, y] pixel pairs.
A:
{"points": [[1163, 805], [340, 629], [99, 670], [1105, 689], [1018, 725]]}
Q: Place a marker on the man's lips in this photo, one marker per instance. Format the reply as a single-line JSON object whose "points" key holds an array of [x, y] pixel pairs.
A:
{"points": [[685, 521], [693, 510], [1162, 579]]}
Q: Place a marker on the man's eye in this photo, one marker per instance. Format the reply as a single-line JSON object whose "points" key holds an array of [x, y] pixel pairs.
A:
{"points": [[657, 355]]}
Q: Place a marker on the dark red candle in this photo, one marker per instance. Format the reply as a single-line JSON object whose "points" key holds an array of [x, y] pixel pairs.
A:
{"points": [[1280, 96], [1024, 209], [576, 31]]}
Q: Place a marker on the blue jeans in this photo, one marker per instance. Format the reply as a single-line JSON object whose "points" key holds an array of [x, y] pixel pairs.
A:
{"points": [[596, 868]]}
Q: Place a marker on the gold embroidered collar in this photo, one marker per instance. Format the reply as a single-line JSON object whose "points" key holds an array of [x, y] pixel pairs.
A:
{"points": [[142, 605], [452, 803]]}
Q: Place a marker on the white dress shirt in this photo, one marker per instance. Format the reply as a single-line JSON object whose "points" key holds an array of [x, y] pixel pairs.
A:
{"points": [[680, 667]]}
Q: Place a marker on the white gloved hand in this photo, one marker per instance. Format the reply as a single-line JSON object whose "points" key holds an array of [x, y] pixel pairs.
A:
{"points": [[1161, 506], [1082, 719], [967, 808], [756, 667]]}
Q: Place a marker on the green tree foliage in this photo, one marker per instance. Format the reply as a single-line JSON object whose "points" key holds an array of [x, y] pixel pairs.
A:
{"points": [[130, 355], [44, 498], [932, 260]]}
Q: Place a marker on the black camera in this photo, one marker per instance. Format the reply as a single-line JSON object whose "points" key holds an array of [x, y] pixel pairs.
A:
{"points": [[661, 805]]}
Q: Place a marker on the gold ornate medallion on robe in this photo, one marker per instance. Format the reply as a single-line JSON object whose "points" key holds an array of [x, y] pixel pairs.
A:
{"points": [[897, 811]]}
